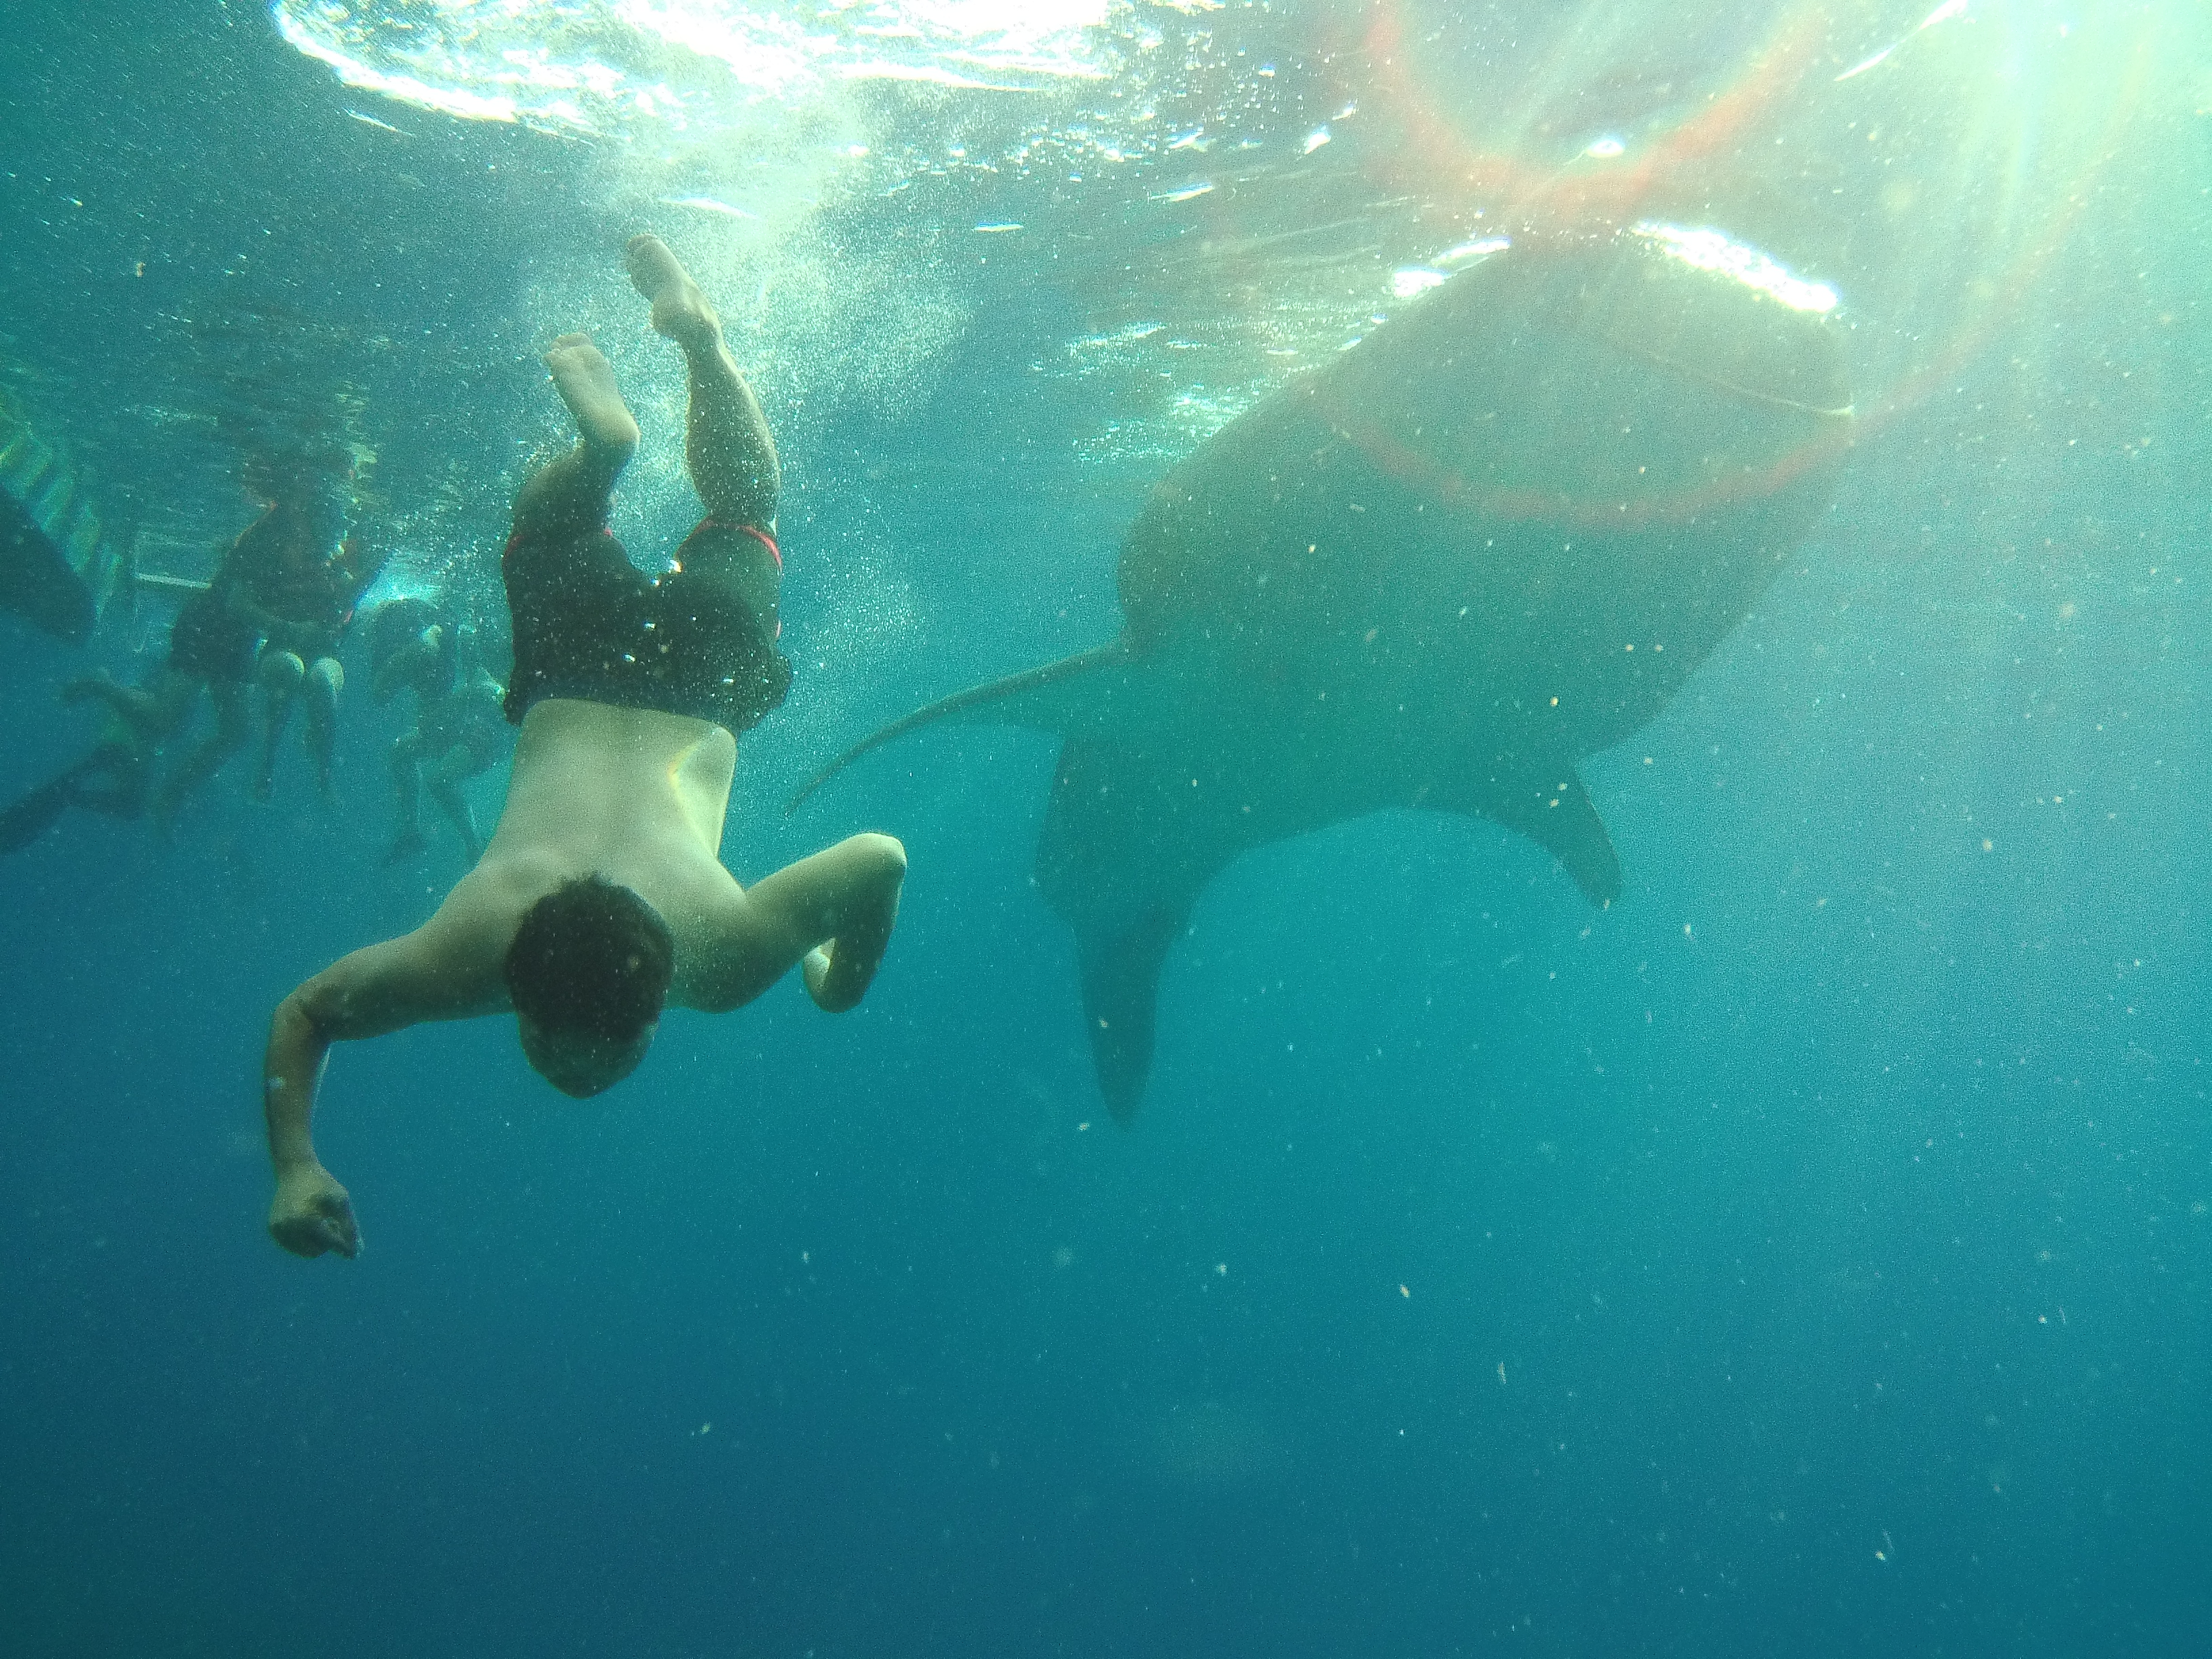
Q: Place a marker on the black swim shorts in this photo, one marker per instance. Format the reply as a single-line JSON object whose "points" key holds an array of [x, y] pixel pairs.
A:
{"points": [[589, 624], [210, 643]]}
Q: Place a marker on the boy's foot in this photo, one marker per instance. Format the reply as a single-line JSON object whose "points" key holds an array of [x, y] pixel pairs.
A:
{"points": [[680, 310], [407, 845], [585, 381]]}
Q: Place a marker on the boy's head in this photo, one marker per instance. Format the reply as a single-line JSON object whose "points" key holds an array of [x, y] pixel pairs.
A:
{"points": [[589, 971]]}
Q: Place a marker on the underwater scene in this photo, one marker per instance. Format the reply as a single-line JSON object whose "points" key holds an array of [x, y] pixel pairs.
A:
{"points": [[1265, 829]]}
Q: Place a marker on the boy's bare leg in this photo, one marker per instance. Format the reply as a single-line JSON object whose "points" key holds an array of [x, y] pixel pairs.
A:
{"points": [[727, 440], [445, 783], [207, 756], [570, 496], [281, 673], [153, 712], [127, 702], [407, 838], [122, 772], [326, 683]]}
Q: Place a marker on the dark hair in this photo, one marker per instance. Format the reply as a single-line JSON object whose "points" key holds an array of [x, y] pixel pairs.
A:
{"points": [[398, 624], [591, 957]]}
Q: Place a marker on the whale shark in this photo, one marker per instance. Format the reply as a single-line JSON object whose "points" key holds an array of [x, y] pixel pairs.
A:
{"points": [[1493, 538]]}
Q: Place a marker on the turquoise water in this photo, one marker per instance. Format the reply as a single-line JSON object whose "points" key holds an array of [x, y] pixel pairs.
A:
{"points": [[1808, 1254]]}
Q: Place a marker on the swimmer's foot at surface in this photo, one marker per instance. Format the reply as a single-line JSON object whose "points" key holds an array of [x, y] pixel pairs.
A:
{"points": [[585, 381], [680, 310]]}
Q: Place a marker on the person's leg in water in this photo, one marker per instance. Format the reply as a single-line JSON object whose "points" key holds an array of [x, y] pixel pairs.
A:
{"points": [[36, 810], [727, 443], [325, 681], [285, 681], [281, 674], [141, 719], [459, 763], [153, 712], [407, 837], [113, 776], [232, 728], [111, 779], [575, 601], [569, 496]]}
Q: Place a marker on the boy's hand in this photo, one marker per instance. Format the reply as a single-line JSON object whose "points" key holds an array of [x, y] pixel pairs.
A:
{"points": [[311, 1213]]}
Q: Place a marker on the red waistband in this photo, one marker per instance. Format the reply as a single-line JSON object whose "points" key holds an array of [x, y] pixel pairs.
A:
{"points": [[754, 531]]}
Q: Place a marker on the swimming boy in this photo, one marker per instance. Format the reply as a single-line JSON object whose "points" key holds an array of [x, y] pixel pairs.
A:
{"points": [[298, 526], [209, 649], [601, 896], [458, 725]]}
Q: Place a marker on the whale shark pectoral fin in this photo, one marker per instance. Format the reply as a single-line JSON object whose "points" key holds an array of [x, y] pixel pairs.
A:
{"points": [[1553, 809], [1047, 698], [1120, 997]]}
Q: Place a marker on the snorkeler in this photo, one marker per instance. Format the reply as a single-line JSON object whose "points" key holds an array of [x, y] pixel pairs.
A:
{"points": [[459, 725], [211, 648], [238, 609], [602, 895], [300, 594]]}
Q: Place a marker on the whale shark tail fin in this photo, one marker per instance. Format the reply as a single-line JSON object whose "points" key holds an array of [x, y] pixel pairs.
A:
{"points": [[1554, 811], [1048, 699]]}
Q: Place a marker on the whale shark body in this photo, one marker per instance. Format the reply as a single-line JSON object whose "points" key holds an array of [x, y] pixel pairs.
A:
{"points": [[1491, 539]]}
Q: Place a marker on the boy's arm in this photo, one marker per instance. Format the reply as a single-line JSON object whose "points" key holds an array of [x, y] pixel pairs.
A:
{"points": [[382, 988], [833, 911]]}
